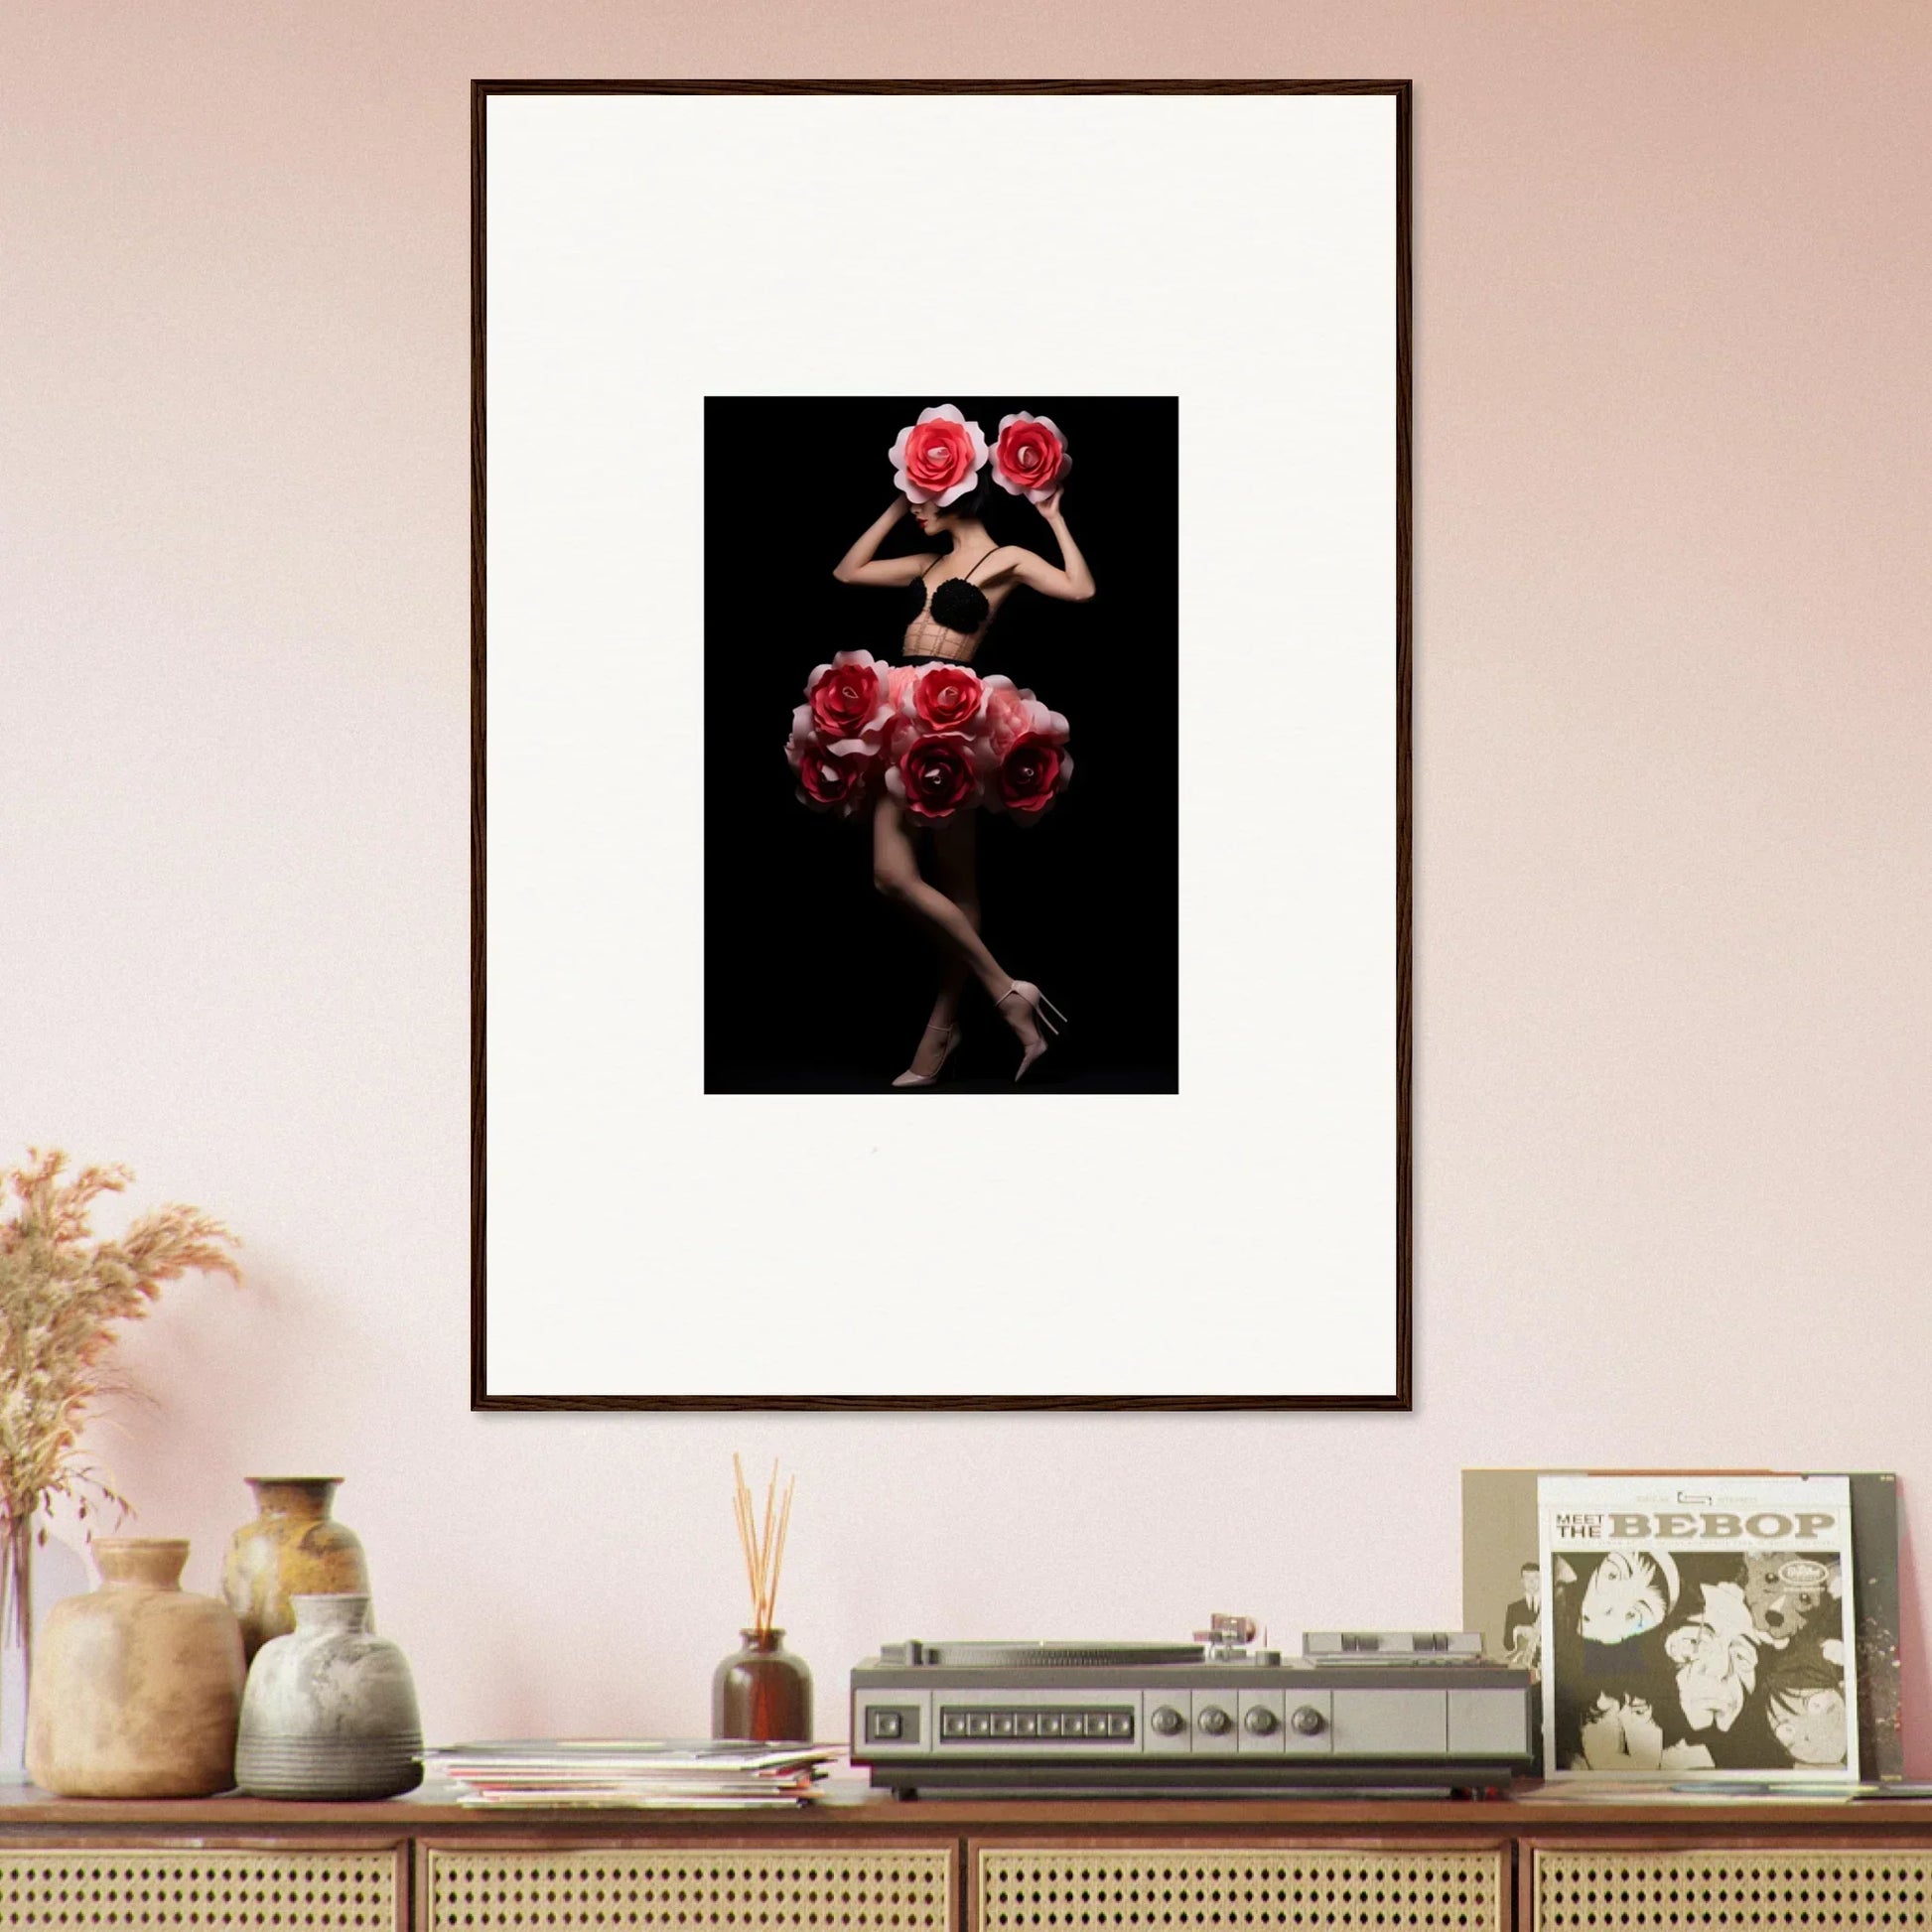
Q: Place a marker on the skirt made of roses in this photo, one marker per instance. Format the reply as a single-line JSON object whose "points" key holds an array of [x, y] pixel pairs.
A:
{"points": [[933, 736]]}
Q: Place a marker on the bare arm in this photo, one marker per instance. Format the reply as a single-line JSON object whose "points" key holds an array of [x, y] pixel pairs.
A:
{"points": [[860, 566], [1072, 581]]}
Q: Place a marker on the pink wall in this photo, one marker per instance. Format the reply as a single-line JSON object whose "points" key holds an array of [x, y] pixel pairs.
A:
{"points": [[1674, 1089]]}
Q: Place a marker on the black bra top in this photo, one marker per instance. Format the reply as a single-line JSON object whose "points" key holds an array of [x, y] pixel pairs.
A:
{"points": [[958, 604]]}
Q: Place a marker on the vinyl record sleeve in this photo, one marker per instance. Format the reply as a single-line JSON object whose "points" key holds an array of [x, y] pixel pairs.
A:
{"points": [[1698, 1627], [1502, 1583]]}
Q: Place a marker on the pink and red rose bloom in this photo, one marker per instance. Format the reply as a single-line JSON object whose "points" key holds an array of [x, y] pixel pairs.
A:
{"points": [[942, 697], [1029, 764], [936, 773], [834, 775], [847, 697], [939, 737], [1030, 458], [1028, 778], [835, 780], [937, 460]]}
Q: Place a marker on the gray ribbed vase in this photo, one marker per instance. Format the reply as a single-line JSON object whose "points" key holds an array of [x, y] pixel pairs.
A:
{"points": [[330, 1711]]}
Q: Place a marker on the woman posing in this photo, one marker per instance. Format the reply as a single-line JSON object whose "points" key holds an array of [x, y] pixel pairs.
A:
{"points": [[949, 738]]}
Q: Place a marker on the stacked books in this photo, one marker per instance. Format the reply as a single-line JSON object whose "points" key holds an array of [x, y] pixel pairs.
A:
{"points": [[621, 1771]]}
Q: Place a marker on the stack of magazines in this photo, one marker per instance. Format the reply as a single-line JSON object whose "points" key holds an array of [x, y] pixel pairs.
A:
{"points": [[629, 1772]]}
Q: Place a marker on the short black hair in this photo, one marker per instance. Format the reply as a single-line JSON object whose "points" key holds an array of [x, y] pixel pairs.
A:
{"points": [[974, 502]]}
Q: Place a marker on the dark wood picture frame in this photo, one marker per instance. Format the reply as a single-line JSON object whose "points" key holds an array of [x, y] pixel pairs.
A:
{"points": [[1401, 1397]]}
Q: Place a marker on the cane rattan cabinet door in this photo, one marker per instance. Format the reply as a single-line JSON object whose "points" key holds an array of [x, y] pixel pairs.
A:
{"points": [[1747, 1889], [691, 1888], [1029, 1889], [196, 1890]]}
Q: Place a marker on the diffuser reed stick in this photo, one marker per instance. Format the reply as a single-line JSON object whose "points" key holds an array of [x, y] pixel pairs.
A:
{"points": [[761, 1539]]}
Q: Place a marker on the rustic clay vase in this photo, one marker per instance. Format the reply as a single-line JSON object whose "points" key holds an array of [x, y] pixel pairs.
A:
{"points": [[293, 1547], [137, 1688], [330, 1711], [762, 1691]]}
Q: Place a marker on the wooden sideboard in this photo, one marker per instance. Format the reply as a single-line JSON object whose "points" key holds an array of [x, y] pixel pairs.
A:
{"points": [[864, 1863]]}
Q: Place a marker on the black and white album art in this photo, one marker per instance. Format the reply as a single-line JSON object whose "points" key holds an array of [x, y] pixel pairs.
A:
{"points": [[1678, 1661], [940, 744]]}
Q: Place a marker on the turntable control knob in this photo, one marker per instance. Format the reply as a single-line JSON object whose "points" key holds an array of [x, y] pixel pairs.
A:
{"points": [[1215, 1721], [1308, 1720], [1260, 1720], [1167, 1720]]}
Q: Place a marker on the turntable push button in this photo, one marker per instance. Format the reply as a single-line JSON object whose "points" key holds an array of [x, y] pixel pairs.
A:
{"points": [[1049, 1724], [1215, 1721], [1120, 1725], [1167, 1722], [1026, 1725]]}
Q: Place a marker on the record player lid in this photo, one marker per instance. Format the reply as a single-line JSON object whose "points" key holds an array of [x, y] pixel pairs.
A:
{"points": [[1011, 1654]]}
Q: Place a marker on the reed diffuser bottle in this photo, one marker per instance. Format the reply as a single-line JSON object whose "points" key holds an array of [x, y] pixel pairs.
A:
{"points": [[763, 1692]]}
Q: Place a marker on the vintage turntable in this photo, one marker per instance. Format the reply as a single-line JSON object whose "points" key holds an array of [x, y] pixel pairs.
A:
{"points": [[1360, 1709]]}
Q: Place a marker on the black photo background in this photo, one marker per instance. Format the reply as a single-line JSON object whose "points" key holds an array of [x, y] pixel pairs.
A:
{"points": [[813, 983]]}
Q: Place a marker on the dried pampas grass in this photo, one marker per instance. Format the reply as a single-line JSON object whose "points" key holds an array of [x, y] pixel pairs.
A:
{"points": [[63, 1296]]}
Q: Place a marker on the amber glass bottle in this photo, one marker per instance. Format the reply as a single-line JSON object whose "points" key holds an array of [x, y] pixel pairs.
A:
{"points": [[763, 1692]]}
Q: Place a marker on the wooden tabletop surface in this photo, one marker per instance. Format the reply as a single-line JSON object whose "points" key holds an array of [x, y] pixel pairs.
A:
{"points": [[849, 1805]]}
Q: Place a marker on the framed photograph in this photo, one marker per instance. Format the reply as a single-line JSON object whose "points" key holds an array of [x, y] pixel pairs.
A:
{"points": [[940, 796]]}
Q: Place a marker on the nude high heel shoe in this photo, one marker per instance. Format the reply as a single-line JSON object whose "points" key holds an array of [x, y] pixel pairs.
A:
{"points": [[1044, 1013], [910, 1079]]}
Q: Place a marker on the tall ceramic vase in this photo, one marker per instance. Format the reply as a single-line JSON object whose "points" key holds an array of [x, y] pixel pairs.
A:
{"points": [[330, 1711], [137, 1688], [293, 1547]]}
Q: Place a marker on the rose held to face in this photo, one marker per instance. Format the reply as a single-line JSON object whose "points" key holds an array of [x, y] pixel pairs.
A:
{"points": [[1030, 458], [848, 697], [937, 459]]}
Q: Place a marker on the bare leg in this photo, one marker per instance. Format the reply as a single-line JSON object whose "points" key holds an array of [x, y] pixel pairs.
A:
{"points": [[953, 844], [955, 847], [896, 871]]}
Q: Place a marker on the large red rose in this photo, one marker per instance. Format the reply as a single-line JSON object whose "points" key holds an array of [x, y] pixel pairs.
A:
{"points": [[1030, 459], [847, 697], [938, 458], [1032, 774], [1029, 765], [944, 697], [830, 782], [835, 775], [935, 776]]}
